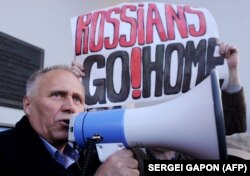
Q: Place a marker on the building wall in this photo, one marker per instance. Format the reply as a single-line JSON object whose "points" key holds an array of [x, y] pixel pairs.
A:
{"points": [[46, 24]]}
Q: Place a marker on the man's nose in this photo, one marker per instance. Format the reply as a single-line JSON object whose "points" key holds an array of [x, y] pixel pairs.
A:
{"points": [[68, 105]]}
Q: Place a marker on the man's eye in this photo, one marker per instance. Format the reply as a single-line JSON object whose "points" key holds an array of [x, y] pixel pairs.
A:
{"points": [[57, 94], [77, 99]]}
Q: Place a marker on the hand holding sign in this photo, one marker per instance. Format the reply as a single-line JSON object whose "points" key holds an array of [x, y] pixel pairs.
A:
{"points": [[231, 53], [78, 69]]}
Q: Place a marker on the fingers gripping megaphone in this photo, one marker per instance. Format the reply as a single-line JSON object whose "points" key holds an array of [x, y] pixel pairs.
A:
{"points": [[192, 123]]}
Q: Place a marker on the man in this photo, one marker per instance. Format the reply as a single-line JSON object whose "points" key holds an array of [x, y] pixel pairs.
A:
{"points": [[38, 144]]}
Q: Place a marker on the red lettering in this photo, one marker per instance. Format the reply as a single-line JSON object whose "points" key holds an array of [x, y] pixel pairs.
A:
{"points": [[82, 31], [94, 28], [116, 24], [202, 22], [154, 19], [177, 17], [140, 22], [133, 29], [125, 25]]}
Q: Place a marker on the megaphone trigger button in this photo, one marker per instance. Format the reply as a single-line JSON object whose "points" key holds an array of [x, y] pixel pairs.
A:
{"points": [[97, 138]]}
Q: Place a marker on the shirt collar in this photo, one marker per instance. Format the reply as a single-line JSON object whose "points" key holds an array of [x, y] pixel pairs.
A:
{"points": [[68, 157]]}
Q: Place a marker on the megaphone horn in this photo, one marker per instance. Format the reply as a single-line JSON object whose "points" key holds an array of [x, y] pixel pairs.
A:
{"points": [[192, 123]]}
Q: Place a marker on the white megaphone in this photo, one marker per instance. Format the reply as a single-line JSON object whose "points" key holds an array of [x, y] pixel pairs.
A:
{"points": [[192, 123]]}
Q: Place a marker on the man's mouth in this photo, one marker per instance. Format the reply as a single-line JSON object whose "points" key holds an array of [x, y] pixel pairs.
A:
{"points": [[65, 123]]}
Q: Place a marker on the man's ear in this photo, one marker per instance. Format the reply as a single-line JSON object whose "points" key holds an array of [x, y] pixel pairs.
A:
{"points": [[26, 104]]}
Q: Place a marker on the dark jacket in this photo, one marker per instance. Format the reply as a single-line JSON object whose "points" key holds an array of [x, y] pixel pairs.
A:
{"points": [[23, 153], [234, 108]]}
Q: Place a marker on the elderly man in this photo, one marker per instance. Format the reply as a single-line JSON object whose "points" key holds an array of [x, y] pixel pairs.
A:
{"points": [[38, 145]]}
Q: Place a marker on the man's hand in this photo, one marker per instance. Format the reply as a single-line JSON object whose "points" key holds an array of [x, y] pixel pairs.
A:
{"points": [[120, 163], [231, 53], [78, 69]]}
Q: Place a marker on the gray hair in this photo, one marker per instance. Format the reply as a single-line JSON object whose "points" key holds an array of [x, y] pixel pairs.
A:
{"points": [[32, 81]]}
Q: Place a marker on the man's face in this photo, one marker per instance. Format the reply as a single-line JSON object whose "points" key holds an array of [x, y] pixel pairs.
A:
{"points": [[59, 95]]}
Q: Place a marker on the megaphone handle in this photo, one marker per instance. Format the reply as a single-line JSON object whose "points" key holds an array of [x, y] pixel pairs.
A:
{"points": [[88, 156], [104, 150], [89, 152], [140, 155]]}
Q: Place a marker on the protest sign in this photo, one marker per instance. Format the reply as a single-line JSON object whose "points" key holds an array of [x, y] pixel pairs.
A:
{"points": [[145, 52]]}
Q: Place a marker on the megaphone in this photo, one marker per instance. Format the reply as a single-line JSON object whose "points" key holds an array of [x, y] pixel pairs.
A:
{"points": [[192, 123]]}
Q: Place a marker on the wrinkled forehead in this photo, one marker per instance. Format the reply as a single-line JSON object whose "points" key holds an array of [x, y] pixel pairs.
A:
{"points": [[61, 79]]}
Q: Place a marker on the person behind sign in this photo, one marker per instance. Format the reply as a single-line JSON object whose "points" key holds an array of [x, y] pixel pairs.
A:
{"points": [[38, 145], [233, 97]]}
